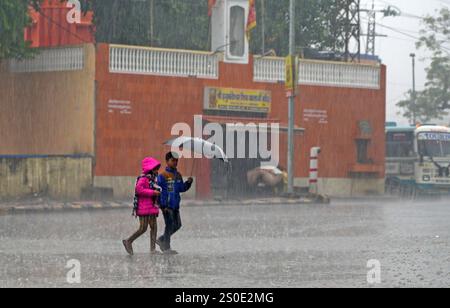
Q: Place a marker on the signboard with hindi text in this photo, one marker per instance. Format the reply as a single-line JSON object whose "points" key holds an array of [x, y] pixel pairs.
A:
{"points": [[227, 99]]}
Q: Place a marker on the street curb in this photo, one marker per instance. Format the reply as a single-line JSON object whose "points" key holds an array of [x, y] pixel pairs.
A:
{"points": [[367, 199], [62, 207], [252, 202], [90, 206], [4, 212]]}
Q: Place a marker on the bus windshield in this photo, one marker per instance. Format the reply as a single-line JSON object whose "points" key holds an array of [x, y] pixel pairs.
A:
{"points": [[400, 144], [434, 144]]}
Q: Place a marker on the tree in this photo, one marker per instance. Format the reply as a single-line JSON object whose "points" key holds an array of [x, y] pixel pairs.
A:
{"points": [[181, 24], [316, 26], [434, 101], [160, 23], [13, 20], [184, 24], [424, 113]]}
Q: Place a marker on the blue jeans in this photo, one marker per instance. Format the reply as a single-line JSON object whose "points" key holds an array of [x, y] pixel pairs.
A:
{"points": [[172, 220]]}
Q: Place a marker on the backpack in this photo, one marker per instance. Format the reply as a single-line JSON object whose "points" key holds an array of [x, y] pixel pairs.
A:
{"points": [[153, 186], [136, 199]]}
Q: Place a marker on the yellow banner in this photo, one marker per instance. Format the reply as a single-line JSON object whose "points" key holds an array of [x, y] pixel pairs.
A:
{"points": [[290, 74], [227, 99]]}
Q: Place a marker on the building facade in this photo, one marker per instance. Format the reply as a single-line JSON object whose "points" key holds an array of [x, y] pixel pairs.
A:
{"points": [[97, 110]]}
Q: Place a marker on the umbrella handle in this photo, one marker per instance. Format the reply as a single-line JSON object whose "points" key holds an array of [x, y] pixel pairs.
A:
{"points": [[229, 167]]}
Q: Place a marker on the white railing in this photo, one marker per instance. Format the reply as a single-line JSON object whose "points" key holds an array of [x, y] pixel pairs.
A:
{"points": [[320, 73], [164, 62], [339, 74], [51, 60], [269, 69]]}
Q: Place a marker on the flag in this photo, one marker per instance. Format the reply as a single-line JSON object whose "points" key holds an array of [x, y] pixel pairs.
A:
{"points": [[251, 21], [211, 4]]}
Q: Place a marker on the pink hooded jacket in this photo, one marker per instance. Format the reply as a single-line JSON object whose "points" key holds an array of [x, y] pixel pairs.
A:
{"points": [[147, 196]]}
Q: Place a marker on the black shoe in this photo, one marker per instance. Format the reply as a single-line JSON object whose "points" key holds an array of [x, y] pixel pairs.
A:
{"points": [[170, 252], [160, 244], [128, 247]]}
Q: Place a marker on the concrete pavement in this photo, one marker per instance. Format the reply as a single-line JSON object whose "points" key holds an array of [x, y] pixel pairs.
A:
{"points": [[264, 245], [40, 205]]}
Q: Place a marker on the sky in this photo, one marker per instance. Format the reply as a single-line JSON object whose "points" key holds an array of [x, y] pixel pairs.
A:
{"points": [[395, 49]]}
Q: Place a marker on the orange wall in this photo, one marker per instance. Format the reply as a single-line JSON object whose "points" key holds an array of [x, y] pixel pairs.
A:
{"points": [[157, 102], [345, 108], [50, 27], [48, 113]]}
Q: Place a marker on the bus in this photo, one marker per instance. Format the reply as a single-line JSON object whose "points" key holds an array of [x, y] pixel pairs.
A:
{"points": [[417, 160]]}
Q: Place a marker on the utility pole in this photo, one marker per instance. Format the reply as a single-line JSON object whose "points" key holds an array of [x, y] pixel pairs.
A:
{"points": [[372, 34], [371, 30], [348, 27], [290, 160], [263, 27], [413, 99], [152, 21]]}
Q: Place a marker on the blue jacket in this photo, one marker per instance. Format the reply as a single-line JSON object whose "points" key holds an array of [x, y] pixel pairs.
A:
{"points": [[172, 185]]}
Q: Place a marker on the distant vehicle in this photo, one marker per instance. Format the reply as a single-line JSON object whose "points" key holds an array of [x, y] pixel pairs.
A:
{"points": [[417, 160]]}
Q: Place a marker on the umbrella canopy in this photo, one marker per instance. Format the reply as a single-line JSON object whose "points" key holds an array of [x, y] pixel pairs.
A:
{"points": [[273, 169], [198, 145]]}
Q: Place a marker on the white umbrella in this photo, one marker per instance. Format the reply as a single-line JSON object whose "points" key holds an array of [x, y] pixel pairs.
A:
{"points": [[198, 145], [273, 169]]}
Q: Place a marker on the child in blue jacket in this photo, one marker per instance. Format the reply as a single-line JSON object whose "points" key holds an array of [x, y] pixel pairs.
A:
{"points": [[172, 185]]}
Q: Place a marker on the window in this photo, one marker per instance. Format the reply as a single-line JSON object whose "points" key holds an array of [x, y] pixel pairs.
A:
{"points": [[434, 144], [362, 146], [237, 31], [400, 144]]}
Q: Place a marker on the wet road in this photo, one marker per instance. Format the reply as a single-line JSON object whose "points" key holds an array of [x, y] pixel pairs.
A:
{"points": [[236, 246]]}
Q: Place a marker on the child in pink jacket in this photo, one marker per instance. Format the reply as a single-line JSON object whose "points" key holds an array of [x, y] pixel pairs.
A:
{"points": [[147, 210]]}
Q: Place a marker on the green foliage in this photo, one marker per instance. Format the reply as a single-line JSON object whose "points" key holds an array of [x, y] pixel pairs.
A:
{"points": [[182, 24], [316, 25], [434, 101], [424, 113], [13, 19], [159, 23], [185, 24]]}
